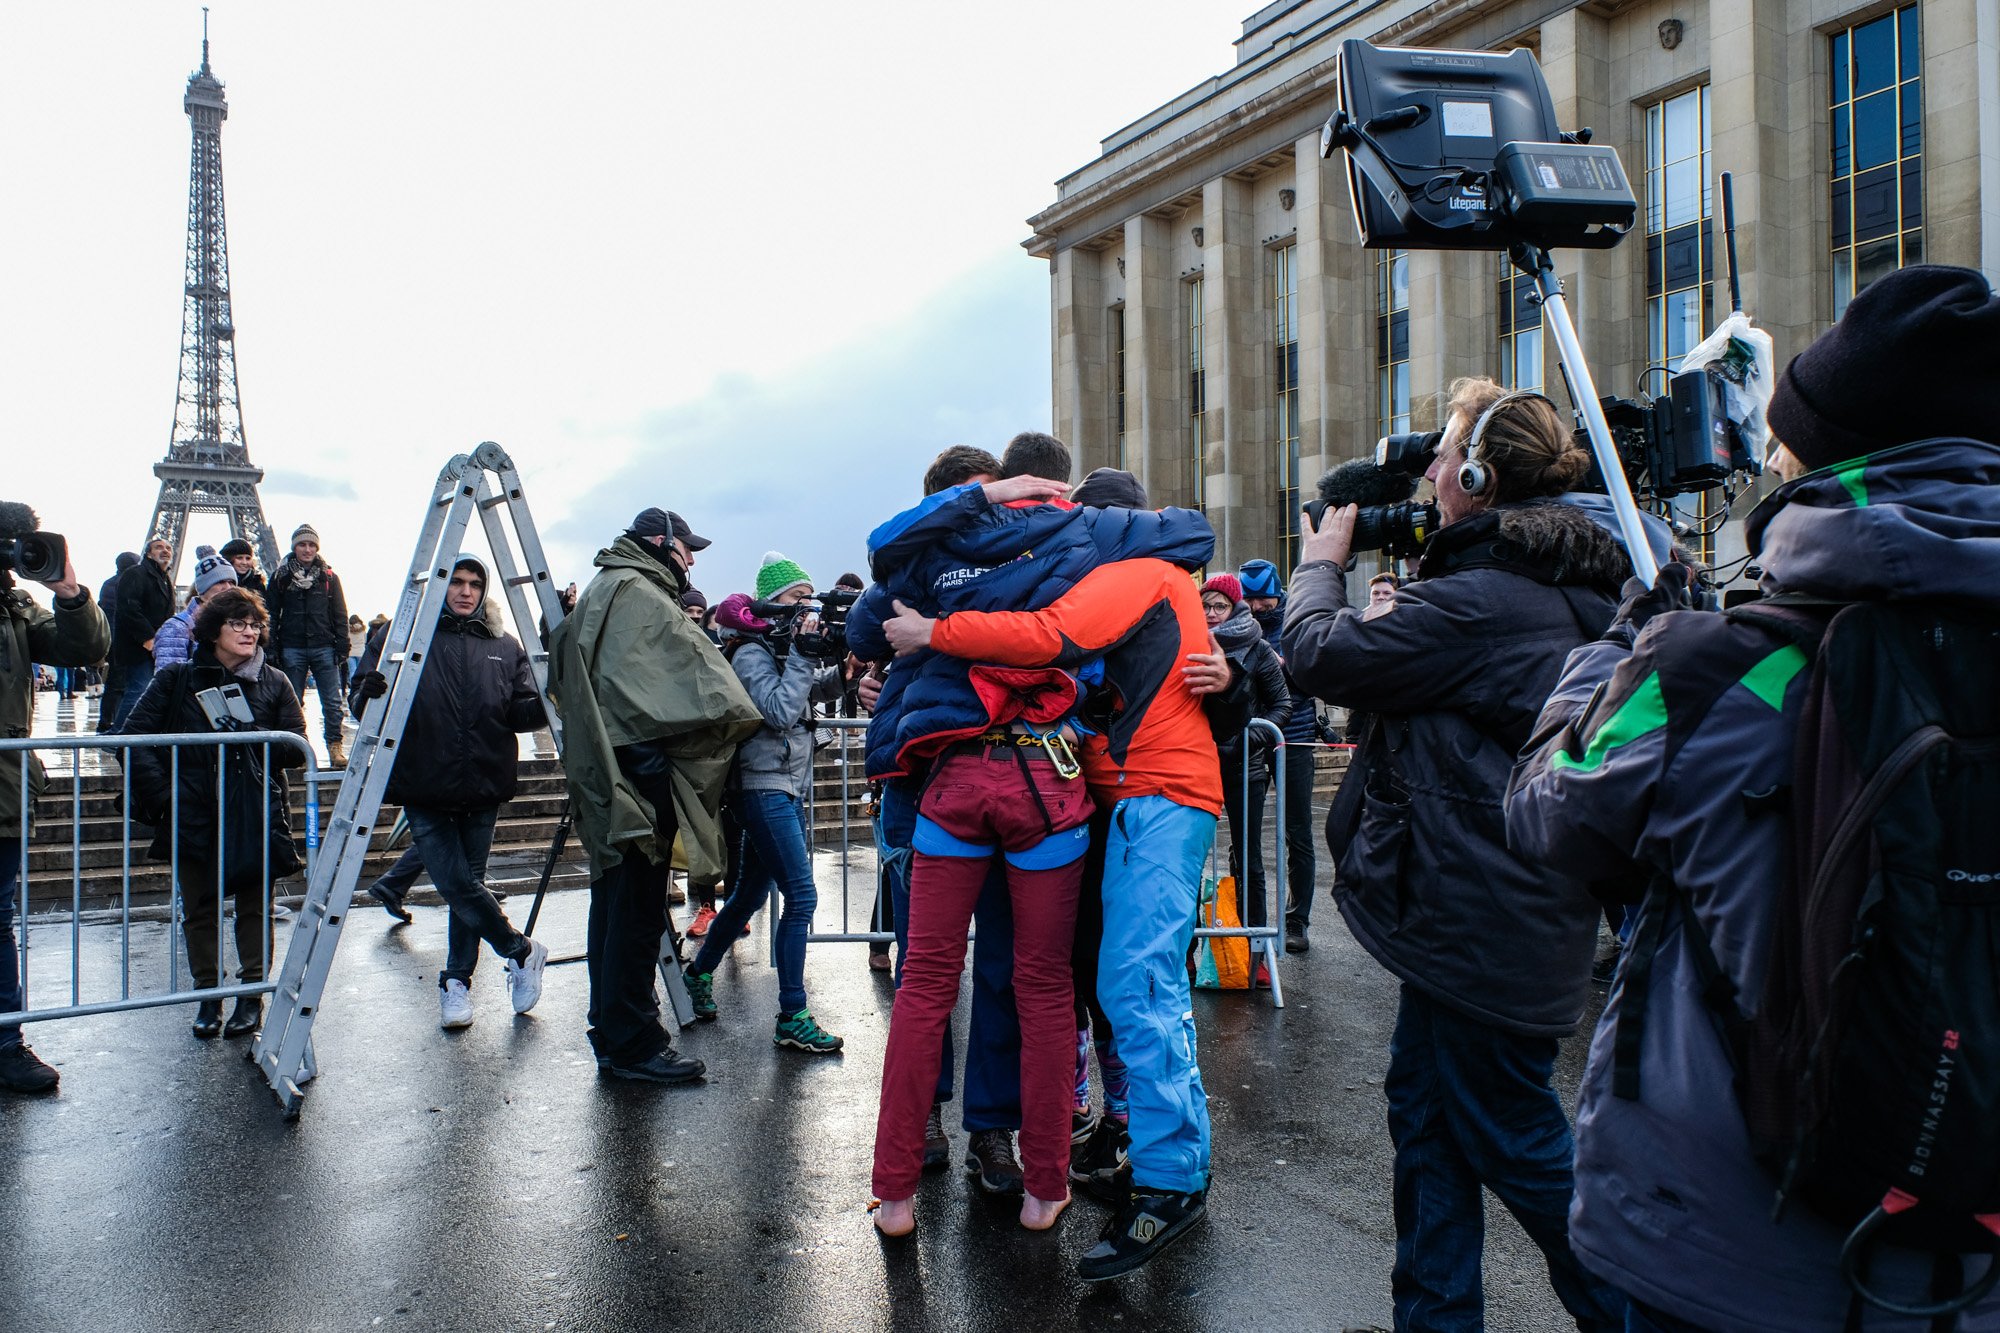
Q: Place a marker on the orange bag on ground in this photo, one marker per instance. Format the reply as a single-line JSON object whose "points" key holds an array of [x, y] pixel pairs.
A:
{"points": [[1221, 963]]}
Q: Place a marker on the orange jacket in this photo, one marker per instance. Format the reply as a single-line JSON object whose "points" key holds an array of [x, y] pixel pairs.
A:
{"points": [[1143, 617]]}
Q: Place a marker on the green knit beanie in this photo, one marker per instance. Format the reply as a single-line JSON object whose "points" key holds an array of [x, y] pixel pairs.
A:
{"points": [[778, 575]]}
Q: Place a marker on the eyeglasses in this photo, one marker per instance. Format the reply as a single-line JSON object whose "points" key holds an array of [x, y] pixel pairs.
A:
{"points": [[243, 626]]}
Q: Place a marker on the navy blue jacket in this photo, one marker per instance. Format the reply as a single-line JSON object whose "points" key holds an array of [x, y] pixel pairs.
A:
{"points": [[957, 552]]}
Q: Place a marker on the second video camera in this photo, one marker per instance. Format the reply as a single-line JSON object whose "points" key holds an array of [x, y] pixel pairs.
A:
{"points": [[828, 641]]}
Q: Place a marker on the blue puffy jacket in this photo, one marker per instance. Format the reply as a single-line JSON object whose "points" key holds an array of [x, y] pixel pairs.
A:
{"points": [[957, 552]]}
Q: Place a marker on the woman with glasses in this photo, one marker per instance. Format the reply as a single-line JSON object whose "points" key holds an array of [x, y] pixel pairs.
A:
{"points": [[236, 860]]}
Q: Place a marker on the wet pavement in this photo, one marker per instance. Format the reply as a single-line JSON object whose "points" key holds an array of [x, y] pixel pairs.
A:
{"points": [[488, 1180]]}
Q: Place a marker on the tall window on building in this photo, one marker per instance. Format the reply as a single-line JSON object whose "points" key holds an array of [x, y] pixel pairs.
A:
{"points": [[1392, 339], [1878, 142], [1520, 328], [1285, 340], [1197, 395], [1679, 262], [1117, 322]]}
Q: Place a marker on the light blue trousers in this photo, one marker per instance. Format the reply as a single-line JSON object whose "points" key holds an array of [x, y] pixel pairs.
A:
{"points": [[1153, 862]]}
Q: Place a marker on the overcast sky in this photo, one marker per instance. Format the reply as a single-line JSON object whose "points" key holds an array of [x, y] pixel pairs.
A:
{"points": [[757, 264]]}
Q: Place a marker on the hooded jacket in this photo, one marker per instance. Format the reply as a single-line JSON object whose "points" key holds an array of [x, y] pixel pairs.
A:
{"points": [[1647, 754], [311, 614], [628, 668], [73, 635], [957, 552], [458, 750], [145, 600], [779, 756], [1242, 640], [1302, 726], [1454, 675]]}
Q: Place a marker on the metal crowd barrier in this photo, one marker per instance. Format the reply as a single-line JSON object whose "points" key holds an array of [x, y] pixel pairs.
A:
{"points": [[1269, 938], [877, 932], [78, 1006]]}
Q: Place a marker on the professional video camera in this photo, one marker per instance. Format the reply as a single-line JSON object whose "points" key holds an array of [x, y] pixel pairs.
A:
{"points": [[827, 642], [1389, 520], [1460, 150], [39, 557]]}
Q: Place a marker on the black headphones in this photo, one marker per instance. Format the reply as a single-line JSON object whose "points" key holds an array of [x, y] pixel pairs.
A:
{"points": [[1475, 476]]}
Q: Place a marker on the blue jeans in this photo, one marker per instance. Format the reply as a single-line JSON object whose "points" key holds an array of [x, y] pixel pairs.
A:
{"points": [[993, 1038], [454, 845], [1470, 1106], [323, 664], [131, 684], [398, 878], [770, 853], [10, 949], [1153, 862]]}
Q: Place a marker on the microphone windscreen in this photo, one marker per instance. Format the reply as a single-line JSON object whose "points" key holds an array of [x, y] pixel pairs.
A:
{"points": [[1362, 483], [16, 519]]}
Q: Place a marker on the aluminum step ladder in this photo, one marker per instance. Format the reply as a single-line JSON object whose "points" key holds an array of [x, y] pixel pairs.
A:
{"points": [[484, 482]]}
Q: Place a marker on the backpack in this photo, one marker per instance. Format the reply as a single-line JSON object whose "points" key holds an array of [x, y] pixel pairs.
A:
{"points": [[1868, 1071]]}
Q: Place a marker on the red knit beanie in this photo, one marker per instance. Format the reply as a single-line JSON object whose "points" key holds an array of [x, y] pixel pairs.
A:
{"points": [[1226, 584]]}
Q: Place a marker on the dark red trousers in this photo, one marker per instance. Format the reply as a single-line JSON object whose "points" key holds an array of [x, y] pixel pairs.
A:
{"points": [[981, 803]]}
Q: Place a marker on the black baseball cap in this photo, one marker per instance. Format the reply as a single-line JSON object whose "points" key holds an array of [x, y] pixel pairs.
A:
{"points": [[666, 523]]}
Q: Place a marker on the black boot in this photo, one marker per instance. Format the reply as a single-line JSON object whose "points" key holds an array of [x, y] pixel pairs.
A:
{"points": [[246, 1018], [208, 1019], [21, 1070]]}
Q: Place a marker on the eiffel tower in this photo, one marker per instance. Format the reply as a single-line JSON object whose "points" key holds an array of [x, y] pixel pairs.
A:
{"points": [[207, 468]]}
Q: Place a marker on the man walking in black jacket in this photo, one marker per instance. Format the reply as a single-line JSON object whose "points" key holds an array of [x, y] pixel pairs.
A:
{"points": [[456, 766], [309, 630], [145, 600]]}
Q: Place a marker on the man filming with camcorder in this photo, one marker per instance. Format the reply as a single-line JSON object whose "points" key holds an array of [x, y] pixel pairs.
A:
{"points": [[73, 635], [1494, 953]]}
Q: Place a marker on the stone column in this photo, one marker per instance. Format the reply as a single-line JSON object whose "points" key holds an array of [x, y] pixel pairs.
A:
{"points": [[1241, 481], [1961, 43], [1081, 353], [1604, 289], [1155, 418], [1336, 320]]}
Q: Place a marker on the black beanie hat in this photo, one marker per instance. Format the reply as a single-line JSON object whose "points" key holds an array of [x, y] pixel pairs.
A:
{"points": [[1913, 358], [1109, 488], [235, 547]]}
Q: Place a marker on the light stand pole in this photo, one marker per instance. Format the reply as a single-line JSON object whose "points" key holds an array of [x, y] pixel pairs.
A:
{"points": [[1535, 262]]}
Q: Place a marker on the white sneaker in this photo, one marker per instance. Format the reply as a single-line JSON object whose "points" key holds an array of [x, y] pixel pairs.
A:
{"points": [[455, 1006], [524, 979]]}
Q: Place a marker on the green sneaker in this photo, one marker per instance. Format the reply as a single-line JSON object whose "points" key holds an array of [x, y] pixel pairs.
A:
{"points": [[701, 993], [801, 1033]]}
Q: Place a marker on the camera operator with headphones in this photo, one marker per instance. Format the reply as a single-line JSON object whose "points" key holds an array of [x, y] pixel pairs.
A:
{"points": [[74, 634], [1493, 952]]}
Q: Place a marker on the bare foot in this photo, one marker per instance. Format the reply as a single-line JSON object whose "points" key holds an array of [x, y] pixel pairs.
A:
{"points": [[896, 1217], [1040, 1214]]}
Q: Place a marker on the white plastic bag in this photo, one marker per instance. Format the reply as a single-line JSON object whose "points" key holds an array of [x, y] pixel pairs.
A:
{"points": [[1739, 354]]}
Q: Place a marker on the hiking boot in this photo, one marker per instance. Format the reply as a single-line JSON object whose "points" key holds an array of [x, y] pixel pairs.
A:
{"points": [[990, 1161], [937, 1147], [245, 1018], [878, 961], [208, 1019], [392, 902], [1080, 1125], [1099, 1163], [704, 916], [801, 1033], [336, 754], [669, 1066], [1148, 1222], [524, 978], [21, 1070], [701, 993], [1295, 938], [454, 1006]]}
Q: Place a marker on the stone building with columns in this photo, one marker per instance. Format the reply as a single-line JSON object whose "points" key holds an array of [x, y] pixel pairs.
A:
{"points": [[1219, 330]]}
